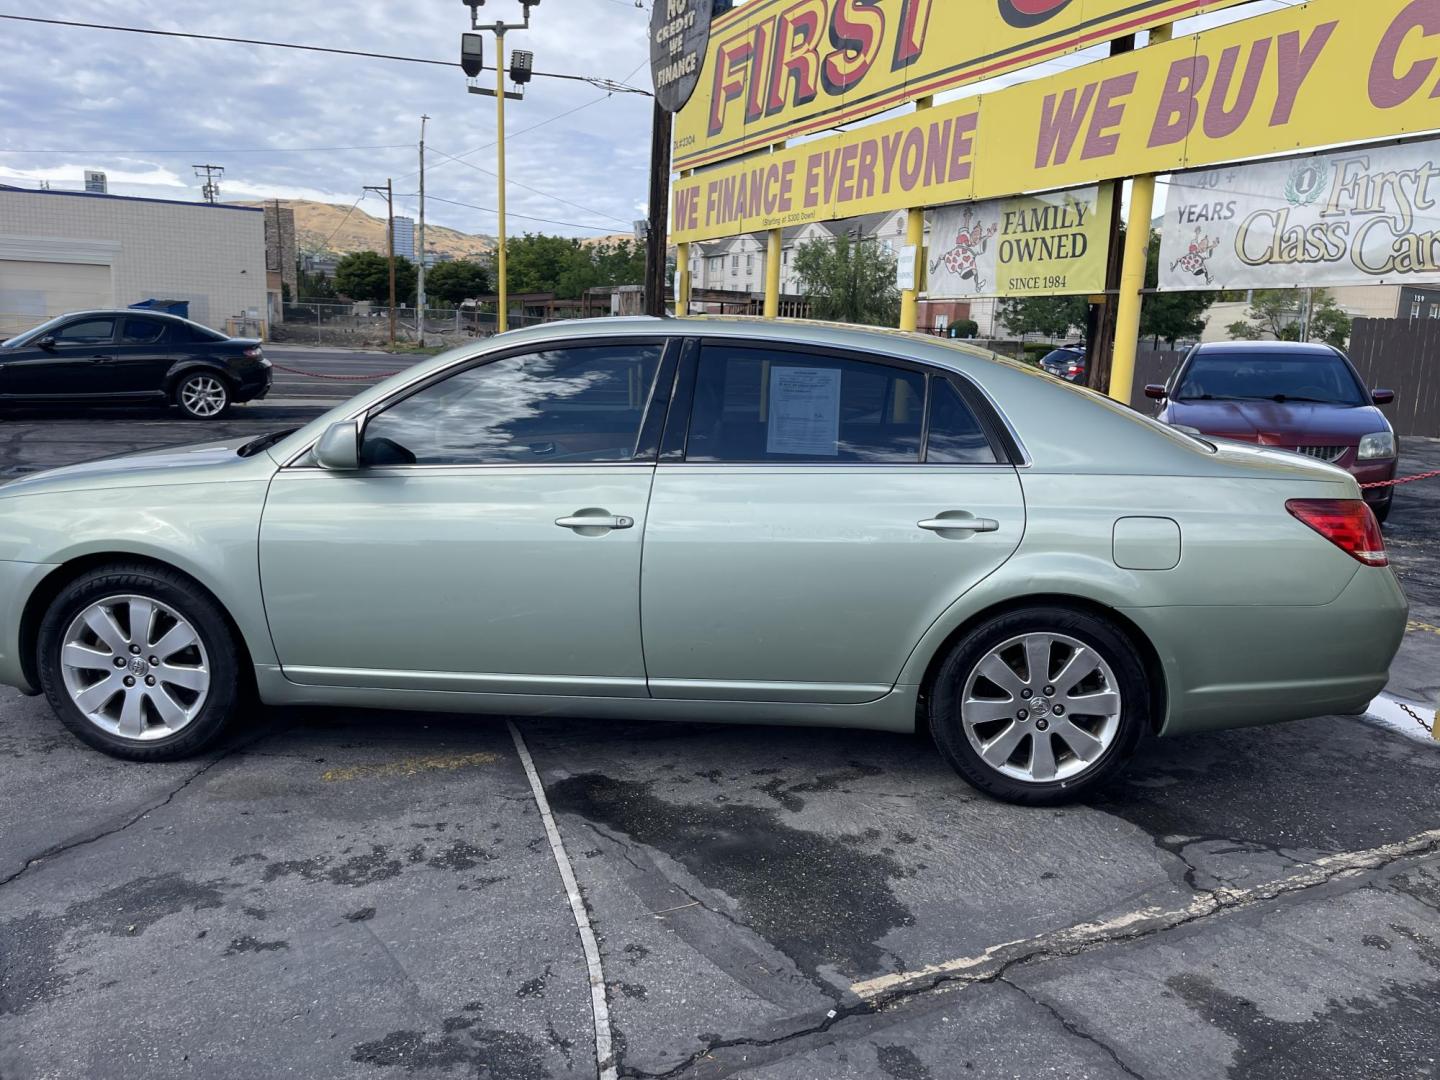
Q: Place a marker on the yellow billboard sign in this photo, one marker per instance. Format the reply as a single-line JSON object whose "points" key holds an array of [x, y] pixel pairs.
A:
{"points": [[1029, 245], [776, 69], [1326, 72]]}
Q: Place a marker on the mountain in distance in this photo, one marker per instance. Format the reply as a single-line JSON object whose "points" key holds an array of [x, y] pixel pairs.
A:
{"points": [[321, 227]]}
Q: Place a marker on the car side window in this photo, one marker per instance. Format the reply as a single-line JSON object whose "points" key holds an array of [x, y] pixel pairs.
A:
{"points": [[955, 435], [87, 332], [754, 405], [563, 406], [142, 331]]}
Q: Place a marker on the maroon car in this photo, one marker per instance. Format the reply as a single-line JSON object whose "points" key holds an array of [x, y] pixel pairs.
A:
{"points": [[1305, 398]]}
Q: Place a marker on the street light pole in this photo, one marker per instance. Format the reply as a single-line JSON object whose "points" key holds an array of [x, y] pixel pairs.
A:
{"points": [[502, 321]]}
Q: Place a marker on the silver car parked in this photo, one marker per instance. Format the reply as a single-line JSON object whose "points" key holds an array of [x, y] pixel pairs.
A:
{"points": [[709, 520]]}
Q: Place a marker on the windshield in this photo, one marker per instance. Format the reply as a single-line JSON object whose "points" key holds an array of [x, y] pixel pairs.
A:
{"points": [[33, 335], [1323, 378]]}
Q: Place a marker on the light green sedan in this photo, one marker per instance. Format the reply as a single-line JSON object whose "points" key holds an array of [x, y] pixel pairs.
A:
{"points": [[709, 520]]}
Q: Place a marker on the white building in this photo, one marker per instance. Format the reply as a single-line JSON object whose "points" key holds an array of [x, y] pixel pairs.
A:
{"points": [[405, 238], [70, 250]]}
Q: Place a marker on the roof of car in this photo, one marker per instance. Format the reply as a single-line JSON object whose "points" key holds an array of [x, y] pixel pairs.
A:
{"points": [[124, 311], [1265, 346]]}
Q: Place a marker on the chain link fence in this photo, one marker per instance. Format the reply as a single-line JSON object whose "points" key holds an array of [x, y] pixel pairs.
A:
{"points": [[360, 326]]}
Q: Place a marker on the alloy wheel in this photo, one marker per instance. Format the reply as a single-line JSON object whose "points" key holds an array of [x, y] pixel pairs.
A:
{"points": [[135, 667], [1041, 707], [204, 396]]}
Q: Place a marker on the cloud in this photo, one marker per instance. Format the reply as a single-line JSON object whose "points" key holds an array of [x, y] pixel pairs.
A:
{"points": [[288, 124]]}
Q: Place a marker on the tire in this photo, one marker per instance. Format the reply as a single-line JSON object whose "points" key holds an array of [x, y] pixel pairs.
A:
{"points": [[173, 709], [1382, 510], [203, 395], [969, 711]]}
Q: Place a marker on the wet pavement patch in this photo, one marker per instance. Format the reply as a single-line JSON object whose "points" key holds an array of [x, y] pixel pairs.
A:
{"points": [[30, 967], [823, 901], [481, 1052]]}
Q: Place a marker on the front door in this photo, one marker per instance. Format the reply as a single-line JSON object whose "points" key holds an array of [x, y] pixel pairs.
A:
{"points": [[490, 542], [76, 364], [817, 525]]}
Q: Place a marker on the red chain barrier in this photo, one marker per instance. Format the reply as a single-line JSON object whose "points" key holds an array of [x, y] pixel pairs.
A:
{"points": [[1403, 480], [337, 378]]}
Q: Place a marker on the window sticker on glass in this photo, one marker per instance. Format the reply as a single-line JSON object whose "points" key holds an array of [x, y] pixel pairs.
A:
{"points": [[804, 411]]}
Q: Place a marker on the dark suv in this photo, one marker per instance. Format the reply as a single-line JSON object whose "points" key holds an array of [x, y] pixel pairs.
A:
{"points": [[131, 356]]}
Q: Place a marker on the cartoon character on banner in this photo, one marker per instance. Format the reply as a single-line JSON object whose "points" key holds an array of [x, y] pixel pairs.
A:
{"points": [[1196, 260], [972, 240]]}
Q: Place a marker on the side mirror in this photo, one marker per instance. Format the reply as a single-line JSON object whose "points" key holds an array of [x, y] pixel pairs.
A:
{"points": [[339, 448], [47, 342], [1382, 397], [1156, 392]]}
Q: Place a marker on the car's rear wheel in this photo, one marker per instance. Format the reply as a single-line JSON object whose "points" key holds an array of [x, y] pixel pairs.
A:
{"points": [[203, 395], [1039, 705], [140, 663]]}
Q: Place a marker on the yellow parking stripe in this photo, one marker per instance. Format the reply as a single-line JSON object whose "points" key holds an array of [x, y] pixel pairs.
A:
{"points": [[411, 766]]}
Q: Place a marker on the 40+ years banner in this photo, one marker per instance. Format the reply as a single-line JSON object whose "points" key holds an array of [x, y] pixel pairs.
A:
{"points": [[1025, 246], [1355, 217]]}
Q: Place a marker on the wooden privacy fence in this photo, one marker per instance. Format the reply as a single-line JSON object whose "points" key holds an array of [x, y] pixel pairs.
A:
{"points": [[1402, 355]]}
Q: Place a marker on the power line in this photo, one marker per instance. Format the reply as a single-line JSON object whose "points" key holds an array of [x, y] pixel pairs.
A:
{"points": [[326, 246], [523, 131], [304, 48], [223, 150], [537, 191], [511, 213]]}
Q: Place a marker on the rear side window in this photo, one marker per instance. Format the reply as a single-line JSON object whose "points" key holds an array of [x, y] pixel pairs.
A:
{"points": [[956, 436], [142, 331], [752, 405]]}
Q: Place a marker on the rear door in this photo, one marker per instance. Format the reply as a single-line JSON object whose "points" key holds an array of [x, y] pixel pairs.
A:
{"points": [[76, 365], [821, 511], [146, 348]]}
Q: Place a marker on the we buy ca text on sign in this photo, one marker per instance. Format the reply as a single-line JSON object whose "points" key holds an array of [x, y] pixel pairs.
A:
{"points": [[776, 69], [1327, 72]]}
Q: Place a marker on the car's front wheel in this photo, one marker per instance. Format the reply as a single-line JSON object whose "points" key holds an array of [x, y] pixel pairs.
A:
{"points": [[202, 395], [139, 662], [1039, 705]]}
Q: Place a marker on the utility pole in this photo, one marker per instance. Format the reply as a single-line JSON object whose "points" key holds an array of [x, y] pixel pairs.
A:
{"points": [[658, 230], [389, 192], [420, 252], [472, 62], [212, 174]]}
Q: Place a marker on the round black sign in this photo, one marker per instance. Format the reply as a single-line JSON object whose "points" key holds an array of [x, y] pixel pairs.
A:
{"points": [[679, 33]]}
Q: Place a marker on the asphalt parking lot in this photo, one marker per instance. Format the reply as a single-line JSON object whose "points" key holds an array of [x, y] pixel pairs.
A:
{"points": [[360, 894]]}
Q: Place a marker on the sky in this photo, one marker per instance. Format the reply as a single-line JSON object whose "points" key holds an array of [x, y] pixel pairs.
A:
{"points": [[147, 109]]}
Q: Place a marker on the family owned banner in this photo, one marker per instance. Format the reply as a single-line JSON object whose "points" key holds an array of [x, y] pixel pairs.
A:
{"points": [[1354, 217], [1025, 246]]}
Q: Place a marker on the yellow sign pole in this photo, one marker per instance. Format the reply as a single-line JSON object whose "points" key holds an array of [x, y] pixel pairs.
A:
{"points": [[682, 288], [1132, 272], [772, 273], [915, 241]]}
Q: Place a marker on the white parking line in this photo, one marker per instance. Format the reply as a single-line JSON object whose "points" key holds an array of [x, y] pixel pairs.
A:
{"points": [[1117, 928], [604, 1041]]}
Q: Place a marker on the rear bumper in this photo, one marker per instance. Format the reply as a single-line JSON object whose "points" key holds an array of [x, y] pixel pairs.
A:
{"points": [[253, 384], [1230, 667]]}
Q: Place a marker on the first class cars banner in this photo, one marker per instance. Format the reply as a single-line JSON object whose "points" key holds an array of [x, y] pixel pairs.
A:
{"points": [[1356, 217], [776, 69], [1324, 73], [1025, 246]]}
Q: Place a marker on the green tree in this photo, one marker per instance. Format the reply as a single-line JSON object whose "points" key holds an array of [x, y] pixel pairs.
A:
{"points": [[456, 282], [1170, 316], [1273, 312], [539, 264], [849, 281], [1329, 322], [1052, 316], [365, 275], [312, 286]]}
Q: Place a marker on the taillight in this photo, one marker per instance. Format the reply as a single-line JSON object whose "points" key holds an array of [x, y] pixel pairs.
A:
{"points": [[1075, 369], [1349, 524]]}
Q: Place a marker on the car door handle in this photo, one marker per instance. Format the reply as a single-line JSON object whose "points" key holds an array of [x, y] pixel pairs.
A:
{"points": [[595, 521], [960, 524], [102, 358]]}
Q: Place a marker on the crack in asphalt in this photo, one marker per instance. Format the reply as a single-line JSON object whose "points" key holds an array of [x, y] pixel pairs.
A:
{"points": [[1073, 1028], [135, 819], [1213, 902]]}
